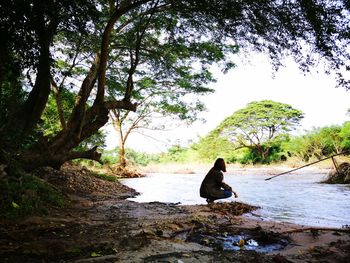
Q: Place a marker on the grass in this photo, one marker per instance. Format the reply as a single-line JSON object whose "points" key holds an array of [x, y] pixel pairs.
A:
{"points": [[110, 178]]}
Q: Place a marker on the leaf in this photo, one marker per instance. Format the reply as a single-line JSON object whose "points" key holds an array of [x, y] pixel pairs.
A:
{"points": [[15, 205], [94, 254]]}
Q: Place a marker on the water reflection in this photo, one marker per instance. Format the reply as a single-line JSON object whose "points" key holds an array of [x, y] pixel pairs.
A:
{"points": [[295, 198], [233, 243]]}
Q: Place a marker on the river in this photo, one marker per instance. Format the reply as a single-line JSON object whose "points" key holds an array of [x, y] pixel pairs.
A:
{"points": [[295, 198]]}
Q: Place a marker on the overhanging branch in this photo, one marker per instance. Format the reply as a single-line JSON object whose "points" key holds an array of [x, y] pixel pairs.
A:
{"points": [[91, 154]]}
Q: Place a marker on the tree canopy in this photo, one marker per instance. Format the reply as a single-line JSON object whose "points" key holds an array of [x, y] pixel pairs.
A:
{"points": [[259, 123], [110, 54]]}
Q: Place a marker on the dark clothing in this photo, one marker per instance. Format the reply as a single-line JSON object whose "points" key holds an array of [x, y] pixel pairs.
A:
{"points": [[213, 186]]}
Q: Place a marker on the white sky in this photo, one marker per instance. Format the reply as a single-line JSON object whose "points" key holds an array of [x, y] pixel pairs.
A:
{"points": [[314, 94]]}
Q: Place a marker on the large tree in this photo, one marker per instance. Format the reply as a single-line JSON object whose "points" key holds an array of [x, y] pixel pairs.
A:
{"points": [[258, 124], [36, 34]]}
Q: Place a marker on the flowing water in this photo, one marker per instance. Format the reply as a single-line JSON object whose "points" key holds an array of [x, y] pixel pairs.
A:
{"points": [[295, 198]]}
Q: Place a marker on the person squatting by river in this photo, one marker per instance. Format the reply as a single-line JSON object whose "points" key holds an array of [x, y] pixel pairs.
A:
{"points": [[213, 187]]}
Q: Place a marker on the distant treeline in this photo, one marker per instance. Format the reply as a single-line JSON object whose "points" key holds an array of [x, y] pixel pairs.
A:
{"points": [[312, 145]]}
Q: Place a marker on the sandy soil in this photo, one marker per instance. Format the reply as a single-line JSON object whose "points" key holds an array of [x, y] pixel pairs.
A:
{"points": [[100, 225]]}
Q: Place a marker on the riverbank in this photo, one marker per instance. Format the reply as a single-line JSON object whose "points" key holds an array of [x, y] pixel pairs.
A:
{"points": [[100, 225]]}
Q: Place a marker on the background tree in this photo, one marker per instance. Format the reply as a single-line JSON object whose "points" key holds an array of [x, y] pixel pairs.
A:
{"points": [[319, 142], [308, 30], [257, 125], [345, 135], [213, 146]]}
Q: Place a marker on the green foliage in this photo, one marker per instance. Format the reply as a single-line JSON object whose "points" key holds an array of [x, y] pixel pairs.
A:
{"points": [[25, 194], [299, 146], [345, 136], [318, 143], [51, 123], [213, 146], [329, 139], [97, 139], [140, 158], [273, 151], [175, 154], [109, 157], [161, 49], [260, 122], [171, 76], [315, 144], [11, 93], [258, 126], [24, 18]]}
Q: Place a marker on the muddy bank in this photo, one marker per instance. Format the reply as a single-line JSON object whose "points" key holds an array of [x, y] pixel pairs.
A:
{"points": [[100, 225]]}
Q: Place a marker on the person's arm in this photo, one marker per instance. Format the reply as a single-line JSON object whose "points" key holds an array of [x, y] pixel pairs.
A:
{"points": [[229, 188], [226, 186]]}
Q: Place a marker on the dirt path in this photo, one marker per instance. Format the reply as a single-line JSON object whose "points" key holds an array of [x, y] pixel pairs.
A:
{"points": [[100, 225]]}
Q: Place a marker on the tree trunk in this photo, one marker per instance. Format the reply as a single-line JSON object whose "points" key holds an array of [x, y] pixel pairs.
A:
{"points": [[117, 124], [28, 117], [122, 160]]}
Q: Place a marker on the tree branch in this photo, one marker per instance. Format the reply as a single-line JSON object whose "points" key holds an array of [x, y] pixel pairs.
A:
{"points": [[135, 62], [58, 100], [105, 45], [91, 154]]}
